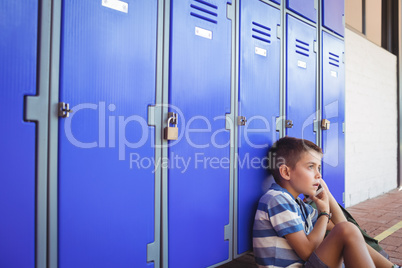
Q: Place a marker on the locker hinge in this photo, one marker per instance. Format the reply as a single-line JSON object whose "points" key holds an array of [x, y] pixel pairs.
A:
{"points": [[316, 4], [343, 197], [64, 110], [35, 108], [229, 122], [343, 127], [343, 57], [241, 120], [278, 123], [230, 13], [315, 46], [152, 252], [343, 20], [153, 112], [228, 232], [315, 125], [278, 31]]}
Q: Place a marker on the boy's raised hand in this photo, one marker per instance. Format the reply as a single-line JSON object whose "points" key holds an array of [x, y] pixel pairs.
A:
{"points": [[324, 185], [337, 214], [303, 244], [322, 199]]}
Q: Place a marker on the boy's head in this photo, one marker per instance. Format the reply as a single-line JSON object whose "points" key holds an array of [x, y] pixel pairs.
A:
{"points": [[288, 151]]}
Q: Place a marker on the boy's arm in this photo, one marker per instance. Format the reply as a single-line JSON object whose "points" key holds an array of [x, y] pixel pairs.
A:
{"points": [[303, 244], [337, 214]]}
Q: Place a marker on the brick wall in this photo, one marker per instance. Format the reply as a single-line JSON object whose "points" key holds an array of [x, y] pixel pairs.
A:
{"points": [[371, 120]]}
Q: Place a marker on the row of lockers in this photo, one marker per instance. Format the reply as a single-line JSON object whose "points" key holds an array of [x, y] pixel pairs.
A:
{"points": [[332, 12], [112, 208]]}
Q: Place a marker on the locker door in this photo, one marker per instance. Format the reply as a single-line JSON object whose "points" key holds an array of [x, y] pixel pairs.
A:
{"points": [[259, 103], [300, 79], [333, 96], [106, 179], [18, 53], [198, 178], [333, 15], [305, 8]]}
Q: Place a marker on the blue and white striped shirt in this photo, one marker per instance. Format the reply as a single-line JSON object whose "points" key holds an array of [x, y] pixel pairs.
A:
{"points": [[279, 214]]}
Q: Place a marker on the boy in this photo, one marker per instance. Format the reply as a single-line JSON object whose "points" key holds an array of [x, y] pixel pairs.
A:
{"points": [[289, 233]]}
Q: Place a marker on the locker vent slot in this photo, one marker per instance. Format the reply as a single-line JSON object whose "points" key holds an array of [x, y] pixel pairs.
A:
{"points": [[261, 32], [206, 3], [302, 48], [201, 10], [333, 59]]}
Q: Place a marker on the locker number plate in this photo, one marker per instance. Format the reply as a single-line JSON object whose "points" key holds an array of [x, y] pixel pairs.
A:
{"points": [[334, 74], [203, 33], [116, 5], [261, 51], [302, 64]]}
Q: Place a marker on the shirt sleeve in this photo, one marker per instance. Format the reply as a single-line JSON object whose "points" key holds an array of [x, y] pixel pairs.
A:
{"points": [[313, 214], [284, 215]]}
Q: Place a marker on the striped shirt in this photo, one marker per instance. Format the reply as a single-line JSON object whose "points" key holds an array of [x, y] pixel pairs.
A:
{"points": [[279, 214]]}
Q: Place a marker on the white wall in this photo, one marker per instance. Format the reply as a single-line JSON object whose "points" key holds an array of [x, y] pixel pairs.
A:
{"points": [[371, 119]]}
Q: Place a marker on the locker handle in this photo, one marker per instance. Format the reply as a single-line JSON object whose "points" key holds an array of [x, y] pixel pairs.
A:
{"points": [[325, 124], [241, 120], [64, 109]]}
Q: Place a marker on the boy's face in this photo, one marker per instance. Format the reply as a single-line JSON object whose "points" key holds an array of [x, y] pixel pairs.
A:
{"points": [[304, 177]]}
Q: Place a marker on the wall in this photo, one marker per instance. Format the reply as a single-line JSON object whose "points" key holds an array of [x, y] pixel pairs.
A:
{"points": [[353, 14], [373, 21], [371, 120]]}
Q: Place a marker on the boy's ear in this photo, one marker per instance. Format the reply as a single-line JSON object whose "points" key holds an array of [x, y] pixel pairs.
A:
{"points": [[284, 170]]}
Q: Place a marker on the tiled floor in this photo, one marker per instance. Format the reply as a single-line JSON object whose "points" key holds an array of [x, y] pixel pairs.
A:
{"points": [[380, 214], [375, 216]]}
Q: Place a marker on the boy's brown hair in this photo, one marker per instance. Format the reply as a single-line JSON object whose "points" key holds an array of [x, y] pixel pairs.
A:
{"points": [[288, 151]]}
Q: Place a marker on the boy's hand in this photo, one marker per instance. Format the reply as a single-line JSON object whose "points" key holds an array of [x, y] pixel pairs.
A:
{"points": [[337, 214], [322, 200], [324, 185]]}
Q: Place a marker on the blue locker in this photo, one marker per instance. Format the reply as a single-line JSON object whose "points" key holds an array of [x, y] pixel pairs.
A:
{"points": [[333, 15], [300, 79], [106, 152], [259, 79], [18, 56], [333, 103], [199, 91], [305, 8]]}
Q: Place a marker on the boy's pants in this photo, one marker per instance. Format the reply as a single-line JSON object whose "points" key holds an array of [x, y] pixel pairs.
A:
{"points": [[314, 262]]}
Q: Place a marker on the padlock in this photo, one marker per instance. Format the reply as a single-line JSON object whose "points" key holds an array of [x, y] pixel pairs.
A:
{"points": [[171, 133], [325, 124]]}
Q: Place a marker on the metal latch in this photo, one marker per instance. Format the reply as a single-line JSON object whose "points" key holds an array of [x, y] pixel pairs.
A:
{"points": [[241, 120], [325, 124], [288, 123], [64, 109], [172, 133]]}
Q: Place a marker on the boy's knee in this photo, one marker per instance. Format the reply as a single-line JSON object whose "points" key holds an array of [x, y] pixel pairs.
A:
{"points": [[347, 230]]}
